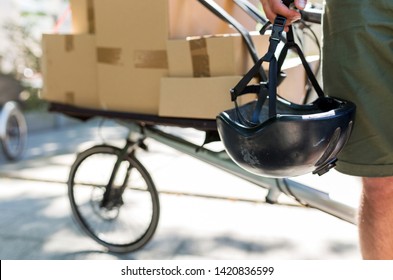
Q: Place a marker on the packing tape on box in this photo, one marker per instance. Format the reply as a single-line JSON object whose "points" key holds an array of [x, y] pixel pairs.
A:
{"points": [[153, 59], [147, 59], [91, 16], [70, 97], [199, 57], [69, 43], [109, 55]]}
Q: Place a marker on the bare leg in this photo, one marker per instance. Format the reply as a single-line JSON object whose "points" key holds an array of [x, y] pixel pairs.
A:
{"points": [[376, 218]]}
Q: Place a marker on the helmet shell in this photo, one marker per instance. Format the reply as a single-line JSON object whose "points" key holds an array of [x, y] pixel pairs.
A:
{"points": [[300, 139]]}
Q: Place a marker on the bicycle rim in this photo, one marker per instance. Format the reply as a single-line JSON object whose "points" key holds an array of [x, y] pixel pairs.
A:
{"points": [[122, 228]]}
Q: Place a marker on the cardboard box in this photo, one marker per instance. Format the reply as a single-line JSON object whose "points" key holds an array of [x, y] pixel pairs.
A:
{"points": [[185, 17], [212, 56], [82, 16], [200, 98], [204, 98], [69, 70], [191, 18], [131, 40], [131, 59]]}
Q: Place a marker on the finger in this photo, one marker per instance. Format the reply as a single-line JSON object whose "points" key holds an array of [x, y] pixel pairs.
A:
{"points": [[270, 8], [279, 8], [300, 4]]}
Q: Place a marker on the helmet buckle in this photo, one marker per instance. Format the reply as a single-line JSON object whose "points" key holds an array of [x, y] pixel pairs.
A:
{"points": [[326, 167], [278, 28]]}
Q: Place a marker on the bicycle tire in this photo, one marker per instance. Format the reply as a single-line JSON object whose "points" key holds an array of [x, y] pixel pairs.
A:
{"points": [[14, 135], [112, 232]]}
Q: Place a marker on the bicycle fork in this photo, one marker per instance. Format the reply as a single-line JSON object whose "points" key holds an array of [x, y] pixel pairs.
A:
{"points": [[113, 194]]}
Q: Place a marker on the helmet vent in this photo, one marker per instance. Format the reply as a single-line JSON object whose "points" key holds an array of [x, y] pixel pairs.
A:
{"points": [[330, 148]]}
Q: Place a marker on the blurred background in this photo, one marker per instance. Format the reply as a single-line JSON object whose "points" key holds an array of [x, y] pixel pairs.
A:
{"points": [[22, 24]]}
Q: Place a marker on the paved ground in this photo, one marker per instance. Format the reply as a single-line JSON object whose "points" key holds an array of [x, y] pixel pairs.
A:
{"points": [[205, 212]]}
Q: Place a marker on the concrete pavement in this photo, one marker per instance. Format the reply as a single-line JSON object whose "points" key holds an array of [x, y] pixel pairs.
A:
{"points": [[205, 212]]}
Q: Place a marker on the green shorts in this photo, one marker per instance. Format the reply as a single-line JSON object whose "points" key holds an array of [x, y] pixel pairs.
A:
{"points": [[357, 65]]}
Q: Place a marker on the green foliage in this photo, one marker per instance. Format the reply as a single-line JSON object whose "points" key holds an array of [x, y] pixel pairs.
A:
{"points": [[32, 101], [23, 52]]}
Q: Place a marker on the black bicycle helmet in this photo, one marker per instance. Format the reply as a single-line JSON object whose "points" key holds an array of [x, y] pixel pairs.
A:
{"points": [[282, 139]]}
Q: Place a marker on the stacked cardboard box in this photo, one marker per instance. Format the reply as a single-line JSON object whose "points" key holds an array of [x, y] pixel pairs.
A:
{"points": [[131, 53], [212, 56], [202, 70], [185, 17], [127, 50], [69, 70], [143, 57]]}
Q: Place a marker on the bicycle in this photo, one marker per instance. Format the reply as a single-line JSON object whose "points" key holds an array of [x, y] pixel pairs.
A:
{"points": [[13, 130], [119, 208]]}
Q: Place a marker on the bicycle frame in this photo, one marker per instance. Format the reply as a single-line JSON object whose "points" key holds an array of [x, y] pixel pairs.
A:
{"points": [[306, 195]]}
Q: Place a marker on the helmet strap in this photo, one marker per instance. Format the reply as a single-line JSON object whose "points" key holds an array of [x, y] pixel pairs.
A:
{"points": [[290, 44], [263, 89], [269, 88]]}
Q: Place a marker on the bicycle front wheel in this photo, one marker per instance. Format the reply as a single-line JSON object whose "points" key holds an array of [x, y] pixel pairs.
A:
{"points": [[129, 221]]}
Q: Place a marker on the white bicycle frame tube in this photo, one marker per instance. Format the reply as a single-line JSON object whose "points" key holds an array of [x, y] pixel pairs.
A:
{"points": [[306, 195]]}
